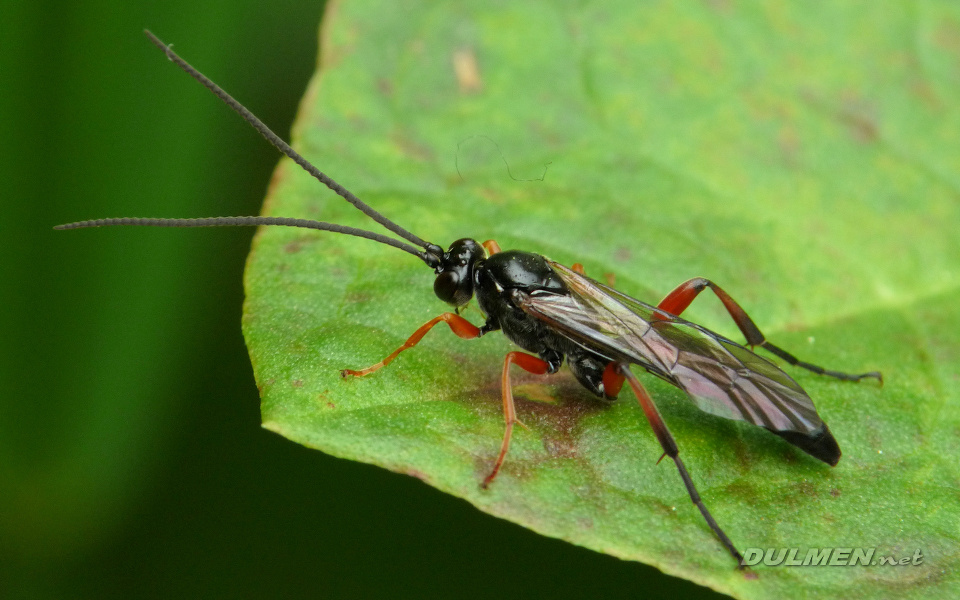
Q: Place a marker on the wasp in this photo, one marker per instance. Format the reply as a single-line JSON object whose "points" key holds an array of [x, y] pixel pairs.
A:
{"points": [[557, 314]]}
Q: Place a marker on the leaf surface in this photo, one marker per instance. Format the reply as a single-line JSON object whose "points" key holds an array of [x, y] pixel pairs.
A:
{"points": [[805, 160]]}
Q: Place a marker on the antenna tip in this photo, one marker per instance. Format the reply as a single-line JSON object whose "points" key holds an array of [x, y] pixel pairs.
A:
{"points": [[157, 42]]}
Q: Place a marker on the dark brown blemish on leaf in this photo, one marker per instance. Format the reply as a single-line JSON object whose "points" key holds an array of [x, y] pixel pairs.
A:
{"points": [[835, 492], [552, 406], [623, 254], [558, 420], [323, 397], [297, 383], [803, 491]]}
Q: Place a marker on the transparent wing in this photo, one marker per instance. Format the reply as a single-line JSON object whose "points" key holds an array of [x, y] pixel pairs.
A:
{"points": [[722, 377]]}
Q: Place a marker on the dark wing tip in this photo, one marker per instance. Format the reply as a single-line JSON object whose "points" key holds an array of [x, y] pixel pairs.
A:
{"points": [[819, 444]]}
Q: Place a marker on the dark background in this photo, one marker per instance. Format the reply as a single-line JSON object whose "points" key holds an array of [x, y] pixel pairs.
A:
{"points": [[132, 463]]}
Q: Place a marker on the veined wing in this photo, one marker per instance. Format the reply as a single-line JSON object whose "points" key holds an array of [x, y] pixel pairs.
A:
{"points": [[722, 377]]}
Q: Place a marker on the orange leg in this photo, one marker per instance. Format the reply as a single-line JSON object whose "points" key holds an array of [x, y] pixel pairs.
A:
{"points": [[612, 380], [492, 247], [579, 270], [670, 449], [460, 326], [611, 279], [679, 299], [529, 363]]}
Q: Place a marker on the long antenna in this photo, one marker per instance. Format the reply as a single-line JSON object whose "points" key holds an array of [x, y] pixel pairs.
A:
{"points": [[253, 222], [282, 146]]}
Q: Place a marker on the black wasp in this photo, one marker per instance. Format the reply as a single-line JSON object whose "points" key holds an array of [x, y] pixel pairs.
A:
{"points": [[555, 313]]}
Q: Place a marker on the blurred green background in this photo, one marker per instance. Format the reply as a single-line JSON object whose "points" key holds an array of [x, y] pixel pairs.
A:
{"points": [[132, 463]]}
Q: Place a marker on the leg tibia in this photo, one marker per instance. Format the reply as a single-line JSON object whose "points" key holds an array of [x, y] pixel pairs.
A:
{"points": [[458, 325]]}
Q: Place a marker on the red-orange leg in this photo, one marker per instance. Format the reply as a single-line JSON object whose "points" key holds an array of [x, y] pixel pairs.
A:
{"points": [[679, 299], [670, 449], [610, 277], [528, 363], [612, 380], [460, 326], [492, 247]]}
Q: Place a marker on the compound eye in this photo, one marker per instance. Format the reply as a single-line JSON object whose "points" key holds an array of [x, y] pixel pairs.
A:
{"points": [[446, 285]]}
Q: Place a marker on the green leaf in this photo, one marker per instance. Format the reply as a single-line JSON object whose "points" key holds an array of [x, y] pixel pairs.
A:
{"points": [[803, 158]]}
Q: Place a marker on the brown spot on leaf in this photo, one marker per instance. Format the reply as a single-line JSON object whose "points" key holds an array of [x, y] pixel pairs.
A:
{"points": [[535, 392], [859, 117], [418, 474], [466, 70], [789, 144], [922, 89], [357, 297], [560, 404], [413, 148], [323, 397], [558, 420], [298, 244], [835, 492], [947, 36], [805, 488], [623, 254], [721, 6], [853, 111], [297, 383], [742, 488]]}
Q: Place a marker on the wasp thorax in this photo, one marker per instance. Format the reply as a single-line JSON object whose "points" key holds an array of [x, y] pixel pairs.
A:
{"points": [[454, 283]]}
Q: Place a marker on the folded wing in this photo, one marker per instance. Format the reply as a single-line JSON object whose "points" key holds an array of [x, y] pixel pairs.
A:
{"points": [[722, 377]]}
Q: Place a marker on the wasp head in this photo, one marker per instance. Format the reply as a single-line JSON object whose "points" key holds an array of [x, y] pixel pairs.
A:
{"points": [[454, 283]]}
